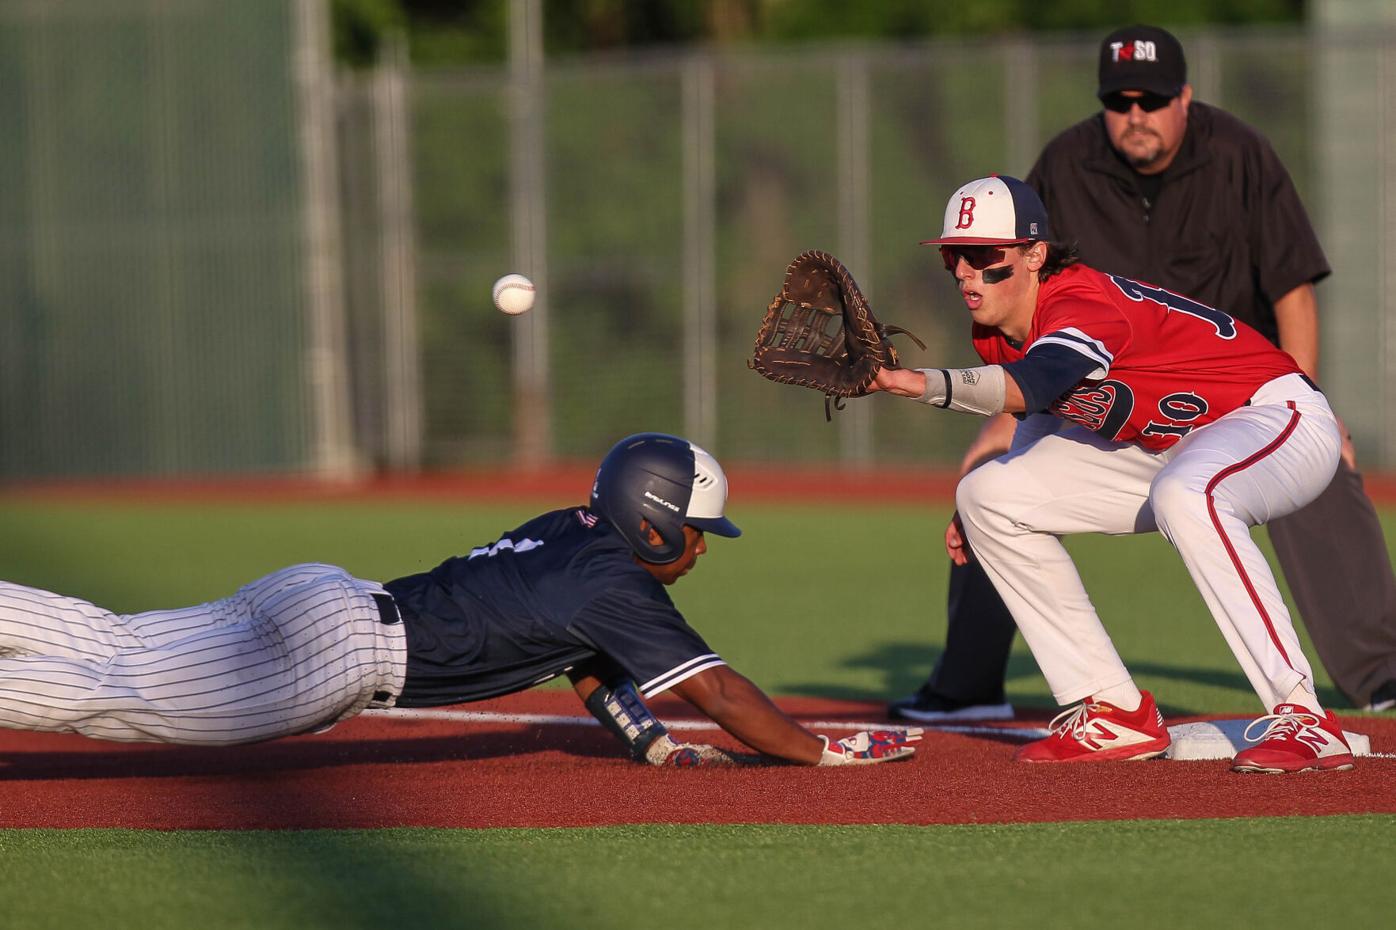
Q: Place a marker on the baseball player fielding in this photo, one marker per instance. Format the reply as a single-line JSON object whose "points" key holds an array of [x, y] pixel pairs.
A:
{"points": [[1141, 410]]}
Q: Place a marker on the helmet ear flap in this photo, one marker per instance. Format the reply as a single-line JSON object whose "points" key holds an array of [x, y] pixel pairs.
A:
{"points": [[662, 547], [666, 527]]}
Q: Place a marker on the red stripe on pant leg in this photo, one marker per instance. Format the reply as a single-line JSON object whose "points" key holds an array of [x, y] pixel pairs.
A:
{"points": [[1226, 541]]}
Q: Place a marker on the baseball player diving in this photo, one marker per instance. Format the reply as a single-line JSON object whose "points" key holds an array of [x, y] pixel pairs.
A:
{"points": [[580, 592], [1139, 410]]}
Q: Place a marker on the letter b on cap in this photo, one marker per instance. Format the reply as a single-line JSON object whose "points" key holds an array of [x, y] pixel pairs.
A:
{"points": [[966, 213]]}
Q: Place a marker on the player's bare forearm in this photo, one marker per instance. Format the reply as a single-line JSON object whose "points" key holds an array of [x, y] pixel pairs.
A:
{"points": [[743, 710], [904, 382], [911, 382], [1296, 318]]}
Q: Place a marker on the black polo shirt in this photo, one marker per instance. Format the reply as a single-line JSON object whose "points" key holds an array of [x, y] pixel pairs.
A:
{"points": [[1225, 226], [556, 592]]}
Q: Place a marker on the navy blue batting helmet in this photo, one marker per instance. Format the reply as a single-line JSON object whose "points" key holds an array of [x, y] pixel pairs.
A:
{"points": [[667, 481]]}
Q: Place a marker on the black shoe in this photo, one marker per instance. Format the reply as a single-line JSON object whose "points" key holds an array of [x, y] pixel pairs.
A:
{"points": [[928, 707], [1384, 698]]}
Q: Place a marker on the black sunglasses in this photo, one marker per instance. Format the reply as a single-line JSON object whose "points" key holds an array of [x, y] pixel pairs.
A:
{"points": [[1148, 102], [977, 257]]}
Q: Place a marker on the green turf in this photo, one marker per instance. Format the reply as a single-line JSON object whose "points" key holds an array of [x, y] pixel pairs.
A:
{"points": [[842, 602], [1247, 873]]}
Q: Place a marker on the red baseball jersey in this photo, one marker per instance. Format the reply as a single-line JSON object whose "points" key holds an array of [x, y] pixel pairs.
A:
{"points": [[1165, 364]]}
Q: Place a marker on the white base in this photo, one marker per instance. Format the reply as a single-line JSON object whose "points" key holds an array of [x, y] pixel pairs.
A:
{"points": [[1222, 739]]}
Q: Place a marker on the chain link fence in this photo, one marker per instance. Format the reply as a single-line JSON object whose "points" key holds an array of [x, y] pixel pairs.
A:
{"points": [[157, 281], [150, 239], [848, 148]]}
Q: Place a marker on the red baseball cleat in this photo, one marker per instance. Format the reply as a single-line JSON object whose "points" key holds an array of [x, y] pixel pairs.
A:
{"points": [[1296, 740], [1094, 731]]}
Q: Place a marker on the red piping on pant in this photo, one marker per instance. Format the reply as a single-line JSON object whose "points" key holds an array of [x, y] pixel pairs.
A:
{"points": [[1226, 541]]}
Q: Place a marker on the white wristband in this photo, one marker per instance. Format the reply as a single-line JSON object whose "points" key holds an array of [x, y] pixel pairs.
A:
{"points": [[969, 390]]}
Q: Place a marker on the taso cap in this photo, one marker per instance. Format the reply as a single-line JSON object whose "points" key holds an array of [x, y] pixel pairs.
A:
{"points": [[1144, 58], [997, 210]]}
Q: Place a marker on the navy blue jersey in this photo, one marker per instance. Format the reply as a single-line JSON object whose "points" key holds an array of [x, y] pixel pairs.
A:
{"points": [[558, 591]]}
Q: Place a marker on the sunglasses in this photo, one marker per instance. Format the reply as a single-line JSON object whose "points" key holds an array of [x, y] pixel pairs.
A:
{"points": [[977, 257], [1148, 102]]}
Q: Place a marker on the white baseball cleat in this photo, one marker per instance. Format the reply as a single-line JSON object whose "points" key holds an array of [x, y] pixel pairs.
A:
{"points": [[1296, 740], [1095, 731]]}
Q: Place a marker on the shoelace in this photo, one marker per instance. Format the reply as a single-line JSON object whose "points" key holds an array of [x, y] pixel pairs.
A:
{"points": [[1073, 719], [1282, 726]]}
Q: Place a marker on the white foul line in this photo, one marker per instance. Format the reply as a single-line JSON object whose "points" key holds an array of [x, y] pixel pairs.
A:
{"points": [[1009, 732], [488, 716]]}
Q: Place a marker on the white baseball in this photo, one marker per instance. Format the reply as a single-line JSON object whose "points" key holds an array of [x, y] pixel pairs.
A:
{"points": [[513, 294]]}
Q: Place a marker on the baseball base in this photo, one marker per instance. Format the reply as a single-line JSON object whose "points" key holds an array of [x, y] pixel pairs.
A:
{"points": [[1222, 739]]}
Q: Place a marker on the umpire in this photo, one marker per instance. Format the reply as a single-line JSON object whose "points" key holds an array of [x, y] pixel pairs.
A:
{"points": [[1160, 187]]}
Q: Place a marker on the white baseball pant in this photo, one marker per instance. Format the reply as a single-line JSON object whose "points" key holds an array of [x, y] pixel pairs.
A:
{"points": [[298, 650], [1259, 462]]}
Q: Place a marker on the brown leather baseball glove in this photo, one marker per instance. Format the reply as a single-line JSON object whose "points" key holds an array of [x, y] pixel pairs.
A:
{"points": [[819, 332]]}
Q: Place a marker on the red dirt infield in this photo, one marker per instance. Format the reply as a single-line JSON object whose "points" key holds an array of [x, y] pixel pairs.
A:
{"points": [[378, 771]]}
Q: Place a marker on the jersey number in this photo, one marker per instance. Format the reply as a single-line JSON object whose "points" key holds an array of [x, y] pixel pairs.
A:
{"points": [[1222, 322], [1181, 409], [505, 545]]}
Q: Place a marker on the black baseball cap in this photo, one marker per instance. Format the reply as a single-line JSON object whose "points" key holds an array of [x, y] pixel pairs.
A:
{"points": [[1143, 58]]}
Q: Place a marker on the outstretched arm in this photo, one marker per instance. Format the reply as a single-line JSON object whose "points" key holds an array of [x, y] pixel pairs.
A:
{"points": [[744, 710], [978, 388], [1029, 385], [613, 700], [740, 708]]}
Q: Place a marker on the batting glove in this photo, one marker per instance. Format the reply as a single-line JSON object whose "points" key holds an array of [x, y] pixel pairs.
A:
{"points": [[665, 752], [870, 746]]}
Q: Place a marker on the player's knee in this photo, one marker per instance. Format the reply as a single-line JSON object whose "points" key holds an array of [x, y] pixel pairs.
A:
{"points": [[983, 497], [1175, 500]]}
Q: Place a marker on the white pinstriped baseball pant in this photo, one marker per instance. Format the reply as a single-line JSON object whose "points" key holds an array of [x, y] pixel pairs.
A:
{"points": [[296, 651], [1257, 463]]}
